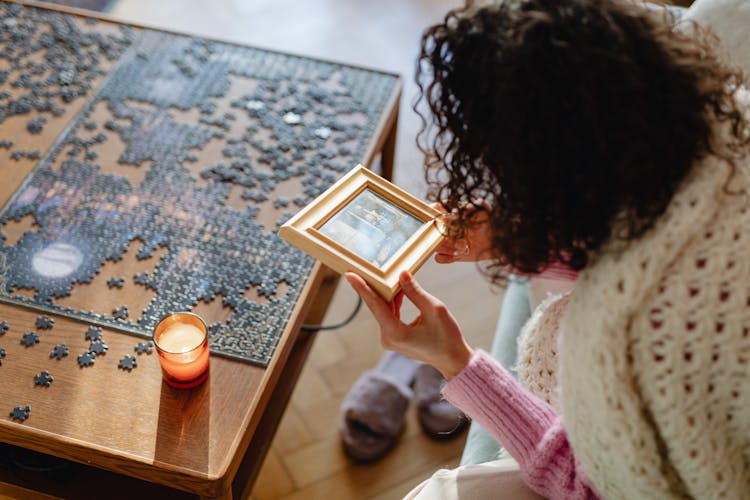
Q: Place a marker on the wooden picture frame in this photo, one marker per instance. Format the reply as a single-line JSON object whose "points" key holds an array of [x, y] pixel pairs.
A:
{"points": [[369, 226]]}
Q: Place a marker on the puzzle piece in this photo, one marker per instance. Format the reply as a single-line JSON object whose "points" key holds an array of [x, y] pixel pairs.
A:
{"points": [[4, 325], [43, 378], [120, 312], [93, 333], [36, 125], [256, 196], [86, 359], [2, 355], [128, 362], [44, 322], [280, 203], [59, 351], [44, 80], [116, 282], [29, 339], [20, 413], [98, 347], [147, 347], [140, 278]]}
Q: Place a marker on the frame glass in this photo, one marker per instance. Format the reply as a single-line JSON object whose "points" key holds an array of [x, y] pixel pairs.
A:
{"points": [[367, 225]]}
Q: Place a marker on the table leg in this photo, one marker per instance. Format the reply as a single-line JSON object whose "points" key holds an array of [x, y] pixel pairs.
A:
{"points": [[224, 495], [264, 434], [388, 153]]}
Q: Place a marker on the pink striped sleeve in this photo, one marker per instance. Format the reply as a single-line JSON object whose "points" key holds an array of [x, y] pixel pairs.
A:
{"points": [[555, 271], [526, 426], [559, 271]]}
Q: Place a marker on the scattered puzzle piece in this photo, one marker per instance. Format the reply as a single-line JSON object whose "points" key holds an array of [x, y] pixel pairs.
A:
{"points": [[4, 325], [140, 278], [94, 333], [19, 413], [30, 339], [59, 352], [280, 203], [98, 347], [120, 312], [86, 359], [36, 125], [43, 378], [116, 282], [128, 362], [44, 322], [2, 355], [147, 347]]}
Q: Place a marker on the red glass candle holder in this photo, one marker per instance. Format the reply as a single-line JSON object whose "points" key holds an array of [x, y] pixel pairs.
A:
{"points": [[181, 341]]}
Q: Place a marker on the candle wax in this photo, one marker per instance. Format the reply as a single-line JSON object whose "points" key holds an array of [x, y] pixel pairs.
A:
{"points": [[181, 338]]}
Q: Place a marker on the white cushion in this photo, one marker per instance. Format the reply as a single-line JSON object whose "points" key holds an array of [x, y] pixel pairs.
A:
{"points": [[730, 21]]}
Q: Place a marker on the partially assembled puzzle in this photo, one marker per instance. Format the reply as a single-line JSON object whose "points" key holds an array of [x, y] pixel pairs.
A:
{"points": [[191, 150]]}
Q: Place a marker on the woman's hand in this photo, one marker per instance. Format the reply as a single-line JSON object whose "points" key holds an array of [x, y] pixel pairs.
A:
{"points": [[475, 246], [433, 337]]}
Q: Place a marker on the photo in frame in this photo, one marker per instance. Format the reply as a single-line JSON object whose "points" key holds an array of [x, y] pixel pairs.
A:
{"points": [[367, 225]]}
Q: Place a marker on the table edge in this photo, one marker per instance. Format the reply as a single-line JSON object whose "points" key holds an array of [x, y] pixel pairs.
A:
{"points": [[105, 17]]}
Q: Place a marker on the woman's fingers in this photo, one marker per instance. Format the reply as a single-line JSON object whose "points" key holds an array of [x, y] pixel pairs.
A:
{"points": [[451, 250], [416, 294], [379, 307], [457, 247], [396, 303], [438, 206], [442, 258]]}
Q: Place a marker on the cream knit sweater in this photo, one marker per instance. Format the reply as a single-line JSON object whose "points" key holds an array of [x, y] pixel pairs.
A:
{"points": [[653, 360]]}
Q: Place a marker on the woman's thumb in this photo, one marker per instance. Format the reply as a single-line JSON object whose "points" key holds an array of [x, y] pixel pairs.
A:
{"points": [[414, 291]]}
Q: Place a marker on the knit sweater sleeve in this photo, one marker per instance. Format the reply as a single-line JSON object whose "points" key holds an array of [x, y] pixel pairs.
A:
{"points": [[526, 426]]}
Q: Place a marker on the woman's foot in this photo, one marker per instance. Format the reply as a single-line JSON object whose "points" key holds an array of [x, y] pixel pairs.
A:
{"points": [[373, 411], [439, 418]]}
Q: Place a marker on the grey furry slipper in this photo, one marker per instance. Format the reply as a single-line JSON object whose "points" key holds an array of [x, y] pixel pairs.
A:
{"points": [[373, 410]]}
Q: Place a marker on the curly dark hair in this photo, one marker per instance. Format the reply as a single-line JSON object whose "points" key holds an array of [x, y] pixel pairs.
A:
{"points": [[568, 117]]}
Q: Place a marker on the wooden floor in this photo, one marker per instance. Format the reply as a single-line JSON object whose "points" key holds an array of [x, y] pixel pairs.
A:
{"points": [[306, 460]]}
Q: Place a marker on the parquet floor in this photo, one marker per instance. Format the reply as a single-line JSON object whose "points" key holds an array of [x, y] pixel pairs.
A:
{"points": [[306, 460]]}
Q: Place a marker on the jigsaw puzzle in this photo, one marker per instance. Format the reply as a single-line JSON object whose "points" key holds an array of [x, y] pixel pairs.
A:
{"points": [[86, 359], [44, 322], [43, 378], [127, 363], [29, 339], [283, 129], [20, 413], [98, 347], [59, 351], [93, 333], [147, 347]]}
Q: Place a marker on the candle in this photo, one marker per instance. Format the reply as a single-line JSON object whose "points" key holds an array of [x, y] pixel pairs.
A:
{"points": [[182, 345]]}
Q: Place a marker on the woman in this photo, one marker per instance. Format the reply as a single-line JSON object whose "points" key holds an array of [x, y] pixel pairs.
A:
{"points": [[599, 138]]}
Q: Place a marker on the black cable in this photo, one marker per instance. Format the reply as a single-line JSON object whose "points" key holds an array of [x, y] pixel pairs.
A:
{"points": [[34, 461], [315, 328]]}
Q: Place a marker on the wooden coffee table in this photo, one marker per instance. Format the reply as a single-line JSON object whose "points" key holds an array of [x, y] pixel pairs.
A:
{"points": [[129, 433]]}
